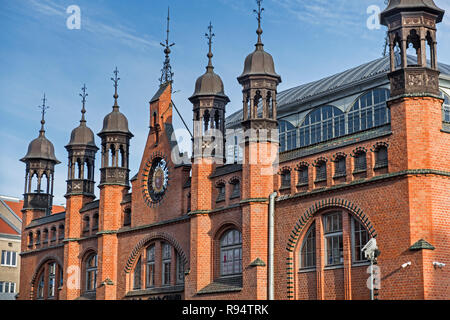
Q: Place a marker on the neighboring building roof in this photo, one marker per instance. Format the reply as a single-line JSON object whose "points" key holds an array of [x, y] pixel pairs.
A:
{"points": [[6, 228], [364, 73]]}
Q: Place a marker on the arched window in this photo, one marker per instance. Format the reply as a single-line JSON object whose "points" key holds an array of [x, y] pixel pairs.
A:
{"points": [[61, 231], [340, 167], [303, 175], [360, 162], [369, 111], [381, 157], [53, 234], [180, 269], [308, 249], [45, 236], [38, 237], [150, 270], [127, 217], [285, 179], [446, 108], [231, 253], [288, 135], [321, 124], [221, 192], [236, 189], [30, 239], [48, 281], [91, 272], [321, 171], [360, 237], [95, 221], [86, 225]]}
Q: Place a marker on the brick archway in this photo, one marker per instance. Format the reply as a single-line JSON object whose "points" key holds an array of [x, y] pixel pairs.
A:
{"points": [[38, 269], [303, 221], [153, 236]]}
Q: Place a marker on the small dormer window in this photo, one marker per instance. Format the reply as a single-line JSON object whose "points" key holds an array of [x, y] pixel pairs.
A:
{"points": [[360, 162], [286, 179], [236, 189], [221, 190]]}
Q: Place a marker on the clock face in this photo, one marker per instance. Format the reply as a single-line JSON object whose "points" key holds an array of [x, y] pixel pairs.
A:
{"points": [[156, 181]]}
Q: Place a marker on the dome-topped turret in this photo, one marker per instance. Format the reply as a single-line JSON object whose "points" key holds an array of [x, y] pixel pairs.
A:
{"points": [[82, 135], [115, 121], [209, 84], [41, 148], [259, 62]]}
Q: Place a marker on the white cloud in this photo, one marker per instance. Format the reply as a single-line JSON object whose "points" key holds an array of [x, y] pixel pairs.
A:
{"points": [[118, 32]]}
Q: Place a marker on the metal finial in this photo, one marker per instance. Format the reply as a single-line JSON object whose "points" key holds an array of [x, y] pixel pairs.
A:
{"points": [[43, 108], [259, 18], [209, 36], [83, 101], [166, 71], [116, 81]]}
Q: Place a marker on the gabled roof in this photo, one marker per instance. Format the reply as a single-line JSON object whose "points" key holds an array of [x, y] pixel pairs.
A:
{"points": [[364, 73]]}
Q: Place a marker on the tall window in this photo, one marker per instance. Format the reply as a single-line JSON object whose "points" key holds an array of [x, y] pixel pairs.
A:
{"points": [[288, 135], [127, 217], [61, 231], [321, 171], [231, 253], [50, 276], [323, 123], [221, 195], [340, 167], [91, 272], [40, 287], [236, 186], [86, 225], [360, 237], [360, 162], [180, 269], [369, 111], [446, 108], [381, 157], [166, 263], [95, 222], [137, 275], [333, 238], [38, 237], [286, 179], [9, 258], [303, 175], [51, 279], [150, 266], [308, 250]]}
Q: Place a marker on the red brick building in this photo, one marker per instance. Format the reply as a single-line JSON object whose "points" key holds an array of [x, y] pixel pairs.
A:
{"points": [[318, 171]]}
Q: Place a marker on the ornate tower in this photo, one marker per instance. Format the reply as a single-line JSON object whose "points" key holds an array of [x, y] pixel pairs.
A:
{"points": [[114, 185], [209, 101], [40, 163], [82, 150], [115, 145], [413, 23], [80, 190], [418, 142], [259, 81]]}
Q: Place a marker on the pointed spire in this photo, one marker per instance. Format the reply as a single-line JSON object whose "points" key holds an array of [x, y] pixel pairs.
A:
{"points": [[116, 82], [43, 108], [259, 44], [209, 36], [166, 71], [83, 101]]}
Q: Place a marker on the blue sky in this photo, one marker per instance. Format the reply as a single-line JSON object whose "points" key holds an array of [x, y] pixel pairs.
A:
{"points": [[308, 40]]}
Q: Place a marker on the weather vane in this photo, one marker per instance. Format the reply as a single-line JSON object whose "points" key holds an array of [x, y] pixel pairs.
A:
{"points": [[83, 101], [259, 18], [116, 81], [166, 71], [209, 36], [43, 108]]}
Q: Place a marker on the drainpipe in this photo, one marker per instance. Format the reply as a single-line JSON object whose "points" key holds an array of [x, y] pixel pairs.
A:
{"points": [[271, 245]]}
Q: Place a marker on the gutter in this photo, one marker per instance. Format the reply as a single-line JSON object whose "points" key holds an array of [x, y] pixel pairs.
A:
{"points": [[270, 283]]}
